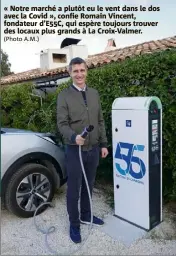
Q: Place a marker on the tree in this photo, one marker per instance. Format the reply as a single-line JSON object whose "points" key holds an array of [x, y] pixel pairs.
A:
{"points": [[5, 64]]}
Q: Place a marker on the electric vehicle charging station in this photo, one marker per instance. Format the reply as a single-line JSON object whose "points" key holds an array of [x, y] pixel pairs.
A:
{"points": [[137, 160]]}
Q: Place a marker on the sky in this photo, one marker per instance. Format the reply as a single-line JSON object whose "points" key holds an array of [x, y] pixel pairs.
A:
{"points": [[24, 56]]}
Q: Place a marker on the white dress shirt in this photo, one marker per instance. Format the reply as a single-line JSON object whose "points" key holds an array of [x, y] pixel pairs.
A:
{"points": [[79, 89]]}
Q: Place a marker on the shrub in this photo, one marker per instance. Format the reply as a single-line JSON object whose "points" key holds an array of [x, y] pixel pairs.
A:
{"points": [[146, 75]]}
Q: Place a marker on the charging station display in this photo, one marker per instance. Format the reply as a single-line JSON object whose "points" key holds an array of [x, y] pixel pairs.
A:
{"points": [[137, 160]]}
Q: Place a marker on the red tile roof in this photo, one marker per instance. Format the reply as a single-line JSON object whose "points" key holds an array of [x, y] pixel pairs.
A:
{"points": [[96, 60]]}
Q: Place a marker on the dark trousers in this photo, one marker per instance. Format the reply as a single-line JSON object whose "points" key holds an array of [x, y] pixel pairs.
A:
{"points": [[76, 186]]}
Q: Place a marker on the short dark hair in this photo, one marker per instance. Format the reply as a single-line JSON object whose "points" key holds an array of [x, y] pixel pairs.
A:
{"points": [[75, 61]]}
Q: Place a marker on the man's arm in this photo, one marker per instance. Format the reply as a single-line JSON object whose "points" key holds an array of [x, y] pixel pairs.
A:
{"points": [[103, 139], [63, 119]]}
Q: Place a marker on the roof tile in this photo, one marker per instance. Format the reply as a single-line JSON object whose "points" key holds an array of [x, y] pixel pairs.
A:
{"points": [[97, 59]]}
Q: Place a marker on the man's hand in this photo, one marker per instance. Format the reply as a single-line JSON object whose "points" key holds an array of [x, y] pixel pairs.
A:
{"points": [[104, 152], [79, 140]]}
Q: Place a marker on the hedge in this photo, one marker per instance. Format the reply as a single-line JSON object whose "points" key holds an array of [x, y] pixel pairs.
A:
{"points": [[145, 75]]}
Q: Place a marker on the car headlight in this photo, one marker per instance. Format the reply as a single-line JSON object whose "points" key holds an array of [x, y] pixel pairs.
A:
{"points": [[49, 139]]}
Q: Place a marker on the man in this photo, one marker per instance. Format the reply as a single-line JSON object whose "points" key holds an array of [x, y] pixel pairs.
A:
{"points": [[78, 106]]}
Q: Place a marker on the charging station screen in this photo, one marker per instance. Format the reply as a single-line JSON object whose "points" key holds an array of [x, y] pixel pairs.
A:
{"points": [[154, 135]]}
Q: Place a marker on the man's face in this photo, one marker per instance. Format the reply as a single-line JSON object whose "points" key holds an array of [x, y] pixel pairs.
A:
{"points": [[78, 74]]}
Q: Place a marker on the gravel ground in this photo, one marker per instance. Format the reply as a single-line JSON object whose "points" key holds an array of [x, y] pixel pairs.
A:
{"points": [[19, 236]]}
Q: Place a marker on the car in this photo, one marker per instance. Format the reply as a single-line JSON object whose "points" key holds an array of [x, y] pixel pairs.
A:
{"points": [[32, 169]]}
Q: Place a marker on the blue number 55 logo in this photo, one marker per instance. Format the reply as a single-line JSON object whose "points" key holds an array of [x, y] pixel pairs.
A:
{"points": [[130, 158]]}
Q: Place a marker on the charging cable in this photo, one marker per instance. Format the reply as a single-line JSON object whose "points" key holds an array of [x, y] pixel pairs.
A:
{"points": [[52, 229]]}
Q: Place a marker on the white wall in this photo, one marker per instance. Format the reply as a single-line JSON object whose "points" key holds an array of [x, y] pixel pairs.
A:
{"points": [[72, 51]]}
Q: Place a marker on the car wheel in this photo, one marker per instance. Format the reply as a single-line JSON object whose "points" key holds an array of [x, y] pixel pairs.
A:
{"points": [[29, 186]]}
